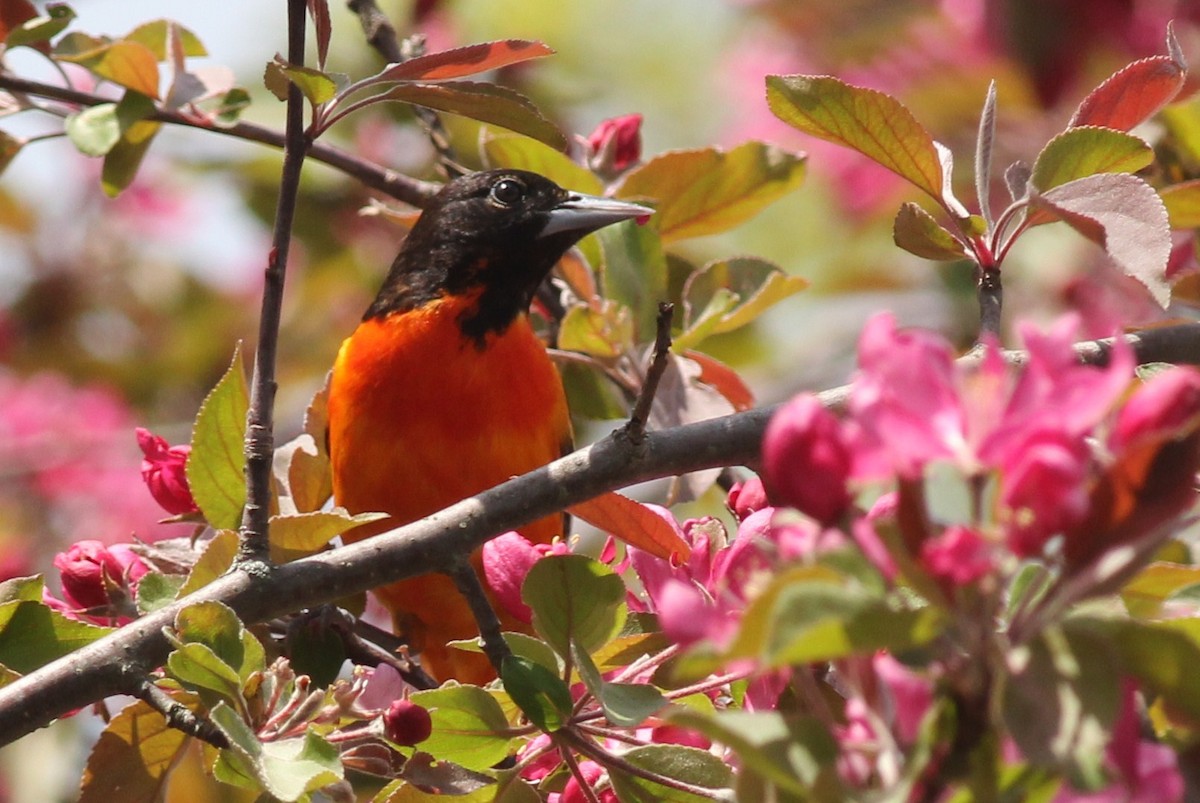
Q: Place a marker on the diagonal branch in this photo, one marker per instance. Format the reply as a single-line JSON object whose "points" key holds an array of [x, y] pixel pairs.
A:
{"points": [[99, 669]]}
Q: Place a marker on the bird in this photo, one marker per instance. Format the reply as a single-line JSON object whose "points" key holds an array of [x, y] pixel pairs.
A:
{"points": [[444, 389]]}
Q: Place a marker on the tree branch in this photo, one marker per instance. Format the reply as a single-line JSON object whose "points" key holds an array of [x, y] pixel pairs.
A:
{"points": [[491, 634], [394, 184], [260, 419], [635, 429], [95, 671]]}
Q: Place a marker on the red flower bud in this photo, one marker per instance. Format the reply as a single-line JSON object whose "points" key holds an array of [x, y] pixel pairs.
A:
{"points": [[164, 474], [807, 459], [616, 144], [90, 570], [1168, 406], [747, 497], [407, 723]]}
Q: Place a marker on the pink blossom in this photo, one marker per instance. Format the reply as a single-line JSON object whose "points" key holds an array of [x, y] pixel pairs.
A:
{"points": [[673, 734], [1165, 406], [957, 557], [858, 742], [546, 762], [807, 459], [507, 560], [96, 577], [592, 774], [615, 144], [1045, 488], [746, 497], [164, 472], [909, 694]]}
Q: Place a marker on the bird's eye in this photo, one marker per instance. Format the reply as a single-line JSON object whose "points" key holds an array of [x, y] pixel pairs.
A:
{"points": [[508, 191]]}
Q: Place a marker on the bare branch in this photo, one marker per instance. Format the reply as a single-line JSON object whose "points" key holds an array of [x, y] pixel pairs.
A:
{"points": [[636, 428], [178, 715], [490, 632]]}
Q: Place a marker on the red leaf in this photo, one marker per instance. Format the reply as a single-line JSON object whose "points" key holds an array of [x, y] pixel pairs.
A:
{"points": [[717, 374], [633, 523], [1133, 93], [469, 60], [13, 13], [319, 11]]}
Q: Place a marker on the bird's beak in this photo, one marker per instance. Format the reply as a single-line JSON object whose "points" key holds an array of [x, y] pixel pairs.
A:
{"points": [[586, 213]]}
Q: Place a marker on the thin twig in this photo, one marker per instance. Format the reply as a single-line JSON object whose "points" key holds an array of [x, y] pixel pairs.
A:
{"points": [[635, 428], [394, 184], [991, 300], [491, 634], [94, 671], [178, 716], [260, 426], [381, 35]]}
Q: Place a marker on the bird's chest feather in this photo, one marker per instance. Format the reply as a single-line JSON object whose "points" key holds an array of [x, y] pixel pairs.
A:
{"points": [[421, 416]]}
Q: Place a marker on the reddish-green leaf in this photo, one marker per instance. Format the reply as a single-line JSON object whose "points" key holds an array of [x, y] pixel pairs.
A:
{"points": [[122, 161], [871, 122], [316, 86], [708, 191], [487, 103], [729, 293], [319, 11], [523, 153], [633, 523], [1086, 151], [217, 461], [1125, 216], [723, 379], [304, 533], [1145, 594], [124, 62], [464, 61], [131, 761], [20, 24], [1135, 92], [919, 233], [213, 562], [1183, 204], [10, 146], [688, 764]]}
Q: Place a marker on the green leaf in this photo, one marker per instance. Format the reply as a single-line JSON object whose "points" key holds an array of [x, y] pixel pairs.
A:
{"points": [[487, 103], [523, 153], [153, 35], [94, 130], [287, 769], [122, 161], [1125, 216], [1060, 700], [633, 271], [156, 590], [22, 589], [305, 533], [791, 754], [230, 107], [32, 635], [541, 694], [1183, 204], [604, 331], [919, 233], [873, 123], [198, 668], [708, 191], [574, 599], [316, 86], [626, 705], [1145, 594], [214, 561], [315, 649], [133, 757], [40, 29], [469, 726], [688, 764], [216, 625], [216, 465], [732, 293], [1086, 151], [522, 646]]}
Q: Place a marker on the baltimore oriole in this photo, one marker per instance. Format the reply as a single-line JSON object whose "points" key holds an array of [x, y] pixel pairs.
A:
{"points": [[444, 390]]}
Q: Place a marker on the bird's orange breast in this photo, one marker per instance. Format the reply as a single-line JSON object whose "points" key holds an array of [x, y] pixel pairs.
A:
{"points": [[421, 417]]}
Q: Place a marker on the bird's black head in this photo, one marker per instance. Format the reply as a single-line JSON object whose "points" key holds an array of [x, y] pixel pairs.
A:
{"points": [[497, 232]]}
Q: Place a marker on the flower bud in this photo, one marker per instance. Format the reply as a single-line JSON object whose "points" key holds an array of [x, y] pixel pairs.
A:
{"points": [[163, 470], [616, 144], [807, 460], [1165, 407], [90, 570], [747, 497], [407, 723]]}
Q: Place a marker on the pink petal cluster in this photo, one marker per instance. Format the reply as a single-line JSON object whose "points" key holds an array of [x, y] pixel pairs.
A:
{"points": [[507, 559], [807, 458], [98, 581], [164, 472]]}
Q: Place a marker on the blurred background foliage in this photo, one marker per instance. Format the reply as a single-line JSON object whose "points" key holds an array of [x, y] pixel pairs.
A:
{"points": [[119, 313]]}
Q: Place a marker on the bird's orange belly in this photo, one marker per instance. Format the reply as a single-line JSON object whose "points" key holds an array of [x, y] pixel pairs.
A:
{"points": [[421, 417]]}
